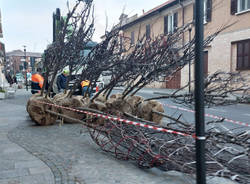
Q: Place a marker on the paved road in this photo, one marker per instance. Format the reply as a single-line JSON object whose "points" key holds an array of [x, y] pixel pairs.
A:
{"points": [[63, 154], [238, 112]]}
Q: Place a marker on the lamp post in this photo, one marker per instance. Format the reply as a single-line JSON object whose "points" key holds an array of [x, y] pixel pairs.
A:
{"points": [[25, 67], [199, 94], [189, 62]]}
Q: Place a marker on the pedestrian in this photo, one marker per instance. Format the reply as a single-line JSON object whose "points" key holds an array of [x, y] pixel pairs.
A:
{"points": [[15, 83], [62, 80], [14, 79], [9, 79], [37, 81], [86, 88]]}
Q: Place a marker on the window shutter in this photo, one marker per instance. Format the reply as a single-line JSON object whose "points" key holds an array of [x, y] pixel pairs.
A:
{"points": [[148, 31], [194, 11], [239, 55], [165, 25], [175, 20], [209, 10], [121, 48], [247, 54], [132, 37], [234, 4]]}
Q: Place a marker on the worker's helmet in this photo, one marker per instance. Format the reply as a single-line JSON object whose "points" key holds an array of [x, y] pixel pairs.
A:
{"points": [[66, 72]]}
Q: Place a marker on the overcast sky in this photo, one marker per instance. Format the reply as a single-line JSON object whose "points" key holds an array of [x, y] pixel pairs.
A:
{"points": [[29, 22]]}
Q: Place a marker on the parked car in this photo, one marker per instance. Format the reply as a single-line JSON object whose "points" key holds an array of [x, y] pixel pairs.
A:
{"points": [[78, 91], [29, 75], [106, 77], [20, 78]]}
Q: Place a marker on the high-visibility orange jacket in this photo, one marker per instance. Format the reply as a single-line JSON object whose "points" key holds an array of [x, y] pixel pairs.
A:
{"points": [[85, 83], [37, 79]]}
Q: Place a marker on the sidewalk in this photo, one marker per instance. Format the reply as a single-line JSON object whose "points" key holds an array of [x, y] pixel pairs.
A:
{"points": [[17, 166], [63, 154]]}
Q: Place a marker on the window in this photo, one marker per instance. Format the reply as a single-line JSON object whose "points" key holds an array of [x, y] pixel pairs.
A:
{"points": [[170, 23], [165, 25], [207, 11], [121, 42], [132, 37], [148, 31], [243, 55], [238, 6], [243, 5]]}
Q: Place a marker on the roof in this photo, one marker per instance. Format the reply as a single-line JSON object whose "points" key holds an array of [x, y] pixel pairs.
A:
{"points": [[158, 7], [21, 53], [152, 12]]}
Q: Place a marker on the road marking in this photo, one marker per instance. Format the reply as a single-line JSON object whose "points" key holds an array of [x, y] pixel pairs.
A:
{"points": [[218, 110], [208, 115], [226, 129]]}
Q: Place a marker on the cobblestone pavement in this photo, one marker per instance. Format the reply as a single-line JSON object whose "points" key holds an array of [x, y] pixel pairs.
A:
{"points": [[17, 166], [67, 151]]}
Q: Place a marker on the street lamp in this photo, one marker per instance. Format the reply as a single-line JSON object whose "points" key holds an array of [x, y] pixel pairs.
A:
{"points": [[25, 67], [189, 61], [199, 94]]}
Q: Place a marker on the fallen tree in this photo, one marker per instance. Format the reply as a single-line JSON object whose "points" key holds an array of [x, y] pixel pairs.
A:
{"points": [[137, 66]]}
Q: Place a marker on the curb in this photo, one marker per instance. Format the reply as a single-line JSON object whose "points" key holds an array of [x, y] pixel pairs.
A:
{"points": [[160, 93]]}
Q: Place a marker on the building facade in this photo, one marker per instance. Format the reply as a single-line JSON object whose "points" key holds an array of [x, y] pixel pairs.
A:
{"points": [[16, 62], [2, 46], [229, 51]]}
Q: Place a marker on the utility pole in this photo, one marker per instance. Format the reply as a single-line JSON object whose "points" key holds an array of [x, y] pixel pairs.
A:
{"points": [[199, 94], [25, 67], [56, 24]]}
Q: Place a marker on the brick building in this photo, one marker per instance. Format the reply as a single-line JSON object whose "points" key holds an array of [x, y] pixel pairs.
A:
{"points": [[230, 50], [15, 60]]}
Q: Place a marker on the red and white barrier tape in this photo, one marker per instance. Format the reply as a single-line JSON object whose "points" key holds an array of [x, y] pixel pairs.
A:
{"points": [[121, 120], [208, 115]]}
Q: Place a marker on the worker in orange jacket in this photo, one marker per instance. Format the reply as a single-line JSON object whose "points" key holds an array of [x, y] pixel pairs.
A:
{"points": [[37, 81], [85, 86]]}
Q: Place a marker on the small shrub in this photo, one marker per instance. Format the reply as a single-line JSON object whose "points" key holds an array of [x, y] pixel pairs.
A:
{"points": [[2, 90]]}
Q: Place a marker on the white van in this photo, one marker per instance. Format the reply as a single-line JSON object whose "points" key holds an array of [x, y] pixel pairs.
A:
{"points": [[106, 77]]}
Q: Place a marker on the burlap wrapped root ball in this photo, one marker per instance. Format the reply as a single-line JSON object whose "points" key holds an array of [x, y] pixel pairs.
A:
{"points": [[117, 95], [115, 105], [74, 102], [118, 106], [37, 110], [60, 96], [146, 108], [126, 105], [99, 105], [101, 98], [133, 102]]}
